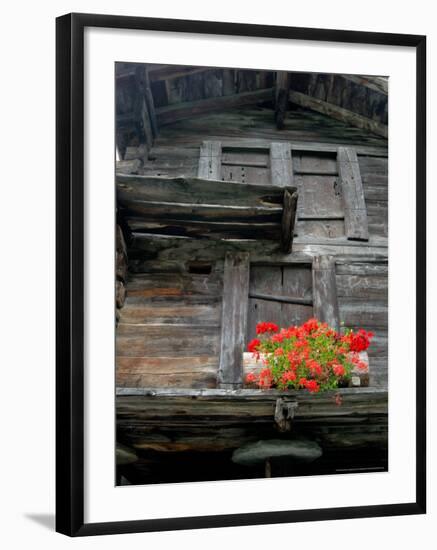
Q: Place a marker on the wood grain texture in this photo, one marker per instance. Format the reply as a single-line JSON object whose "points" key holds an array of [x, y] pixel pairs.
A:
{"points": [[234, 319], [325, 302], [210, 160], [288, 220], [355, 211], [281, 164]]}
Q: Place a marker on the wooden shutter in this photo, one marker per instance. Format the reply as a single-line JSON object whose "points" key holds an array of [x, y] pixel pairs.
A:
{"points": [[355, 212], [279, 294], [325, 301]]}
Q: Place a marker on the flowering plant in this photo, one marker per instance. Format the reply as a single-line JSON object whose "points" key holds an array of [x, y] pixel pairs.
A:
{"points": [[312, 356]]}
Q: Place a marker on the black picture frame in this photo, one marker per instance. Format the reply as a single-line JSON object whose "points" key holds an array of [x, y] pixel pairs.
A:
{"points": [[70, 273]]}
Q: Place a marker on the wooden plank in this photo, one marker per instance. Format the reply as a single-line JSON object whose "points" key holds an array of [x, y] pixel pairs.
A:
{"points": [[355, 212], [288, 220], [193, 372], [210, 160], [171, 313], [361, 286], [213, 230], [166, 340], [175, 284], [234, 319], [160, 210], [334, 111], [325, 302], [281, 164], [188, 109]]}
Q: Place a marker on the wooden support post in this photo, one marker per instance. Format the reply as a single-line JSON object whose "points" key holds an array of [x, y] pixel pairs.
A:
{"points": [[325, 302], [210, 160], [281, 98], [234, 319], [355, 211]]}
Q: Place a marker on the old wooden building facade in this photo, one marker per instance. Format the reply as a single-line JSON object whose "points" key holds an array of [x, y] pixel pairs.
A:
{"points": [[245, 196]]}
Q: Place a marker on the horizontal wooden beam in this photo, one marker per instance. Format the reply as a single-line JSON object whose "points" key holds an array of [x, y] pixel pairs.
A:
{"points": [[184, 110], [338, 113], [355, 394]]}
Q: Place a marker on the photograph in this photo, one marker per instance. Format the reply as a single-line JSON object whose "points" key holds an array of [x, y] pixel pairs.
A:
{"points": [[251, 273]]}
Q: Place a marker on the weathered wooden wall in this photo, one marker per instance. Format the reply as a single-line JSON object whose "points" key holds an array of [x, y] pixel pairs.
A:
{"points": [[168, 311]]}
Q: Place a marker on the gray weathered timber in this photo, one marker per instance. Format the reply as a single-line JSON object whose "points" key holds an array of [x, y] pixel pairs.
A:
{"points": [[281, 164], [339, 113], [288, 220], [222, 210], [180, 111], [320, 197], [355, 212], [325, 303], [234, 319], [196, 191], [210, 160]]}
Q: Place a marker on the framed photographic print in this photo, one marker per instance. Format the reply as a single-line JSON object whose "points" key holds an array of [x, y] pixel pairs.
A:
{"points": [[240, 274]]}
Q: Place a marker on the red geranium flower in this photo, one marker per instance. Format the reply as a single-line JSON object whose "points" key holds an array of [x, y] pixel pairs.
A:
{"points": [[266, 327], [338, 370], [251, 377], [253, 345]]}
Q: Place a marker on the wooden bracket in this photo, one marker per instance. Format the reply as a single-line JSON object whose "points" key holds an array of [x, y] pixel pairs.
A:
{"points": [[284, 414]]}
